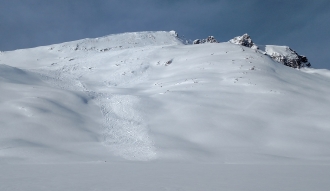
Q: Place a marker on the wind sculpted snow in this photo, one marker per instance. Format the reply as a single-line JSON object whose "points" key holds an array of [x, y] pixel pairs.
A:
{"points": [[147, 96]]}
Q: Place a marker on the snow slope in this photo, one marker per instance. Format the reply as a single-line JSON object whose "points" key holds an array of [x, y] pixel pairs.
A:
{"points": [[148, 97]]}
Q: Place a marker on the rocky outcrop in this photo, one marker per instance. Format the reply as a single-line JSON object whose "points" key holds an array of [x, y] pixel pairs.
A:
{"points": [[287, 56], [209, 39], [282, 54], [244, 40]]}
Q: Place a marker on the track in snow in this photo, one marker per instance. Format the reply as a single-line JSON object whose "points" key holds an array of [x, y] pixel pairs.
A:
{"points": [[125, 131]]}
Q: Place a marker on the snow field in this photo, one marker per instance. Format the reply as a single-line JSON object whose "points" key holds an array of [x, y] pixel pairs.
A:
{"points": [[144, 108]]}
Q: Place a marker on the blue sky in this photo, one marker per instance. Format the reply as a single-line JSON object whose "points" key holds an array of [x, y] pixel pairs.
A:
{"points": [[301, 24]]}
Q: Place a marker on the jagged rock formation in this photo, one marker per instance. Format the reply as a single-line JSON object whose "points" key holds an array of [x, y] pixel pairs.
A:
{"points": [[282, 54], [209, 39], [244, 40], [287, 56]]}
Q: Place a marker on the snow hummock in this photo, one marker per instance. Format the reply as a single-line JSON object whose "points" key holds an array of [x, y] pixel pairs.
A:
{"points": [[147, 109]]}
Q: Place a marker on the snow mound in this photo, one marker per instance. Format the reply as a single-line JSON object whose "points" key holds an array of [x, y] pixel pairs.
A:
{"points": [[122, 41], [15, 75], [209, 39]]}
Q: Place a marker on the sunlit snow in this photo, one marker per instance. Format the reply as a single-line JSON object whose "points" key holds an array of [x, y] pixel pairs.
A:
{"points": [[142, 111]]}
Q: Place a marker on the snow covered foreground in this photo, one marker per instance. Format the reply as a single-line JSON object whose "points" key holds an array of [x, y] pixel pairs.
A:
{"points": [[146, 109]]}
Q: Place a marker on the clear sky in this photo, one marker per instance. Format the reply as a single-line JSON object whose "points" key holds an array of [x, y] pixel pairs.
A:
{"points": [[304, 25]]}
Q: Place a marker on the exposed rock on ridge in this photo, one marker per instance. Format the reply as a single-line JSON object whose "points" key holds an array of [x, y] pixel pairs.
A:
{"points": [[244, 40], [282, 54], [287, 56], [209, 39]]}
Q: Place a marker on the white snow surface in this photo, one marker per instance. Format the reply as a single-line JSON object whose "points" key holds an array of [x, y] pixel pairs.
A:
{"points": [[146, 103], [284, 51]]}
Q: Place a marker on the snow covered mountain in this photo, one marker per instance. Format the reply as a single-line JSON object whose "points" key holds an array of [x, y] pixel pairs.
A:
{"points": [[147, 96]]}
